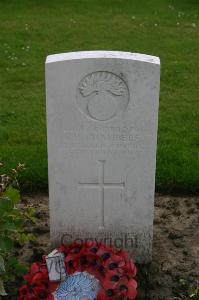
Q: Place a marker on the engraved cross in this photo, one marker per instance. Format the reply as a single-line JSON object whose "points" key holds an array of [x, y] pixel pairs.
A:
{"points": [[101, 185]]}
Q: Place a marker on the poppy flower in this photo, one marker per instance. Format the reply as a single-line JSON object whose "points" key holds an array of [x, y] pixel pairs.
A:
{"points": [[127, 288], [38, 285], [130, 268], [113, 268]]}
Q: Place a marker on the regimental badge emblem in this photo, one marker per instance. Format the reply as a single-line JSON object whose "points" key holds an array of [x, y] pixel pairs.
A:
{"points": [[102, 95]]}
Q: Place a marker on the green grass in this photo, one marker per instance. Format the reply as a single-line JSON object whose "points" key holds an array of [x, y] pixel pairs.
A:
{"points": [[30, 30]]}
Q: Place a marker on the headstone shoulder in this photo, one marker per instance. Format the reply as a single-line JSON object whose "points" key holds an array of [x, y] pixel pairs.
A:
{"points": [[102, 54]]}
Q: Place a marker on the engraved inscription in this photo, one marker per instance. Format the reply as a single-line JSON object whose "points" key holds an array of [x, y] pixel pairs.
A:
{"points": [[102, 95], [120, 138], [101, 185]]}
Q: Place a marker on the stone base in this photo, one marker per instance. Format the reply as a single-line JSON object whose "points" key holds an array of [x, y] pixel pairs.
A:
{"points": [[138, 245]]}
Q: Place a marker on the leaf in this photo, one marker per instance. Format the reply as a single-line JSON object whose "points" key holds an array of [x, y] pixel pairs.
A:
{"points": [[2, 290], [23, 238], [6, 206], [30, 214], [20, 269], [13, 194], [2, 265], [6, 244], [10, 227]]}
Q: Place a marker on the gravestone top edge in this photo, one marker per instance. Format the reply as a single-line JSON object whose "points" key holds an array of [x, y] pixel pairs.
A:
{"points": [[102, 54]]}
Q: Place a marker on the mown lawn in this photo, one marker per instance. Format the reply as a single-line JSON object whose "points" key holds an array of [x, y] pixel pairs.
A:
{"points": [[30, 30]]}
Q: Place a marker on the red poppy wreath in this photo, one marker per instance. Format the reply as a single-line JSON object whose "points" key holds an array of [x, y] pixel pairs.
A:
{"points": [[92, 271]]}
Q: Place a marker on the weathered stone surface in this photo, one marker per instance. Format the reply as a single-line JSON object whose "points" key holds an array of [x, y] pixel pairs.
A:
{"points": [[102, 112]]}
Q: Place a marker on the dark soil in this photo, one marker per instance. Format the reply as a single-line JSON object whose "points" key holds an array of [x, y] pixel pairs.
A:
{"points": [[174, 270]]}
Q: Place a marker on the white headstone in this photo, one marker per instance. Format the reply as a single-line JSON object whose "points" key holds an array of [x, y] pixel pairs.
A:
{"points": [[102, 116]]}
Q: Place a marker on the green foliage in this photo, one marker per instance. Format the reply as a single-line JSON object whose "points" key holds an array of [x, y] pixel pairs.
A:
{"points": [[31, 30], [11, 226]]}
